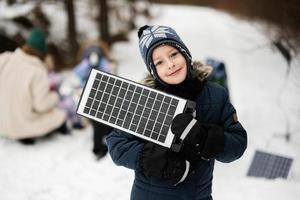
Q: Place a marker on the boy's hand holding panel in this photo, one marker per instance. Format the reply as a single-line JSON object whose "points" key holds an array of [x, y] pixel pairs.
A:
{"points": [[199, 141]]}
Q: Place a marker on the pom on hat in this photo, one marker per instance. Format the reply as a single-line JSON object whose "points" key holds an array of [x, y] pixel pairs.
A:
{"points": [[151, 37], [141, 29], [37, 40]]}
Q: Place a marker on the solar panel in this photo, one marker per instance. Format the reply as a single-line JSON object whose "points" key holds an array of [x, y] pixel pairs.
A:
{"points": [[269, 165], [131, 107]]}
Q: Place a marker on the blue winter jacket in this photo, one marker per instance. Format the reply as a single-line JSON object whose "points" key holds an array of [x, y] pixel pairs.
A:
{"points": [[212, 106]]}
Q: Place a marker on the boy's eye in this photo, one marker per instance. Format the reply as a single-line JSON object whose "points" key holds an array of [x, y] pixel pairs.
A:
{"points": [[174, 54], [158, 63]]}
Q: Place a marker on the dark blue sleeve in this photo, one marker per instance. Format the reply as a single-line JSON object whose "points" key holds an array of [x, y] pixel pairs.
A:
{"points": [[235, 134], [124, 149]]}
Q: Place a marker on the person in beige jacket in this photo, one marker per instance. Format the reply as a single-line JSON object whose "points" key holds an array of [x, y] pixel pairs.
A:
{"points": [[27, 106]]}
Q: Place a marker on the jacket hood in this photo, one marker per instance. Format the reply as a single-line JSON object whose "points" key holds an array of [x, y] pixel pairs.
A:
{"points": [[200, 71]]}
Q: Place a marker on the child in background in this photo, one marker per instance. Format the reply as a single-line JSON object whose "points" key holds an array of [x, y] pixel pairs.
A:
{"points": [[66, 84], [213, 134], [219, 74], [94, 57], [70, 85]]}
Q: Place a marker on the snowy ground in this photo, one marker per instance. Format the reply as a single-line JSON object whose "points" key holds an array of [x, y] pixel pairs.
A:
{"points": [[64, 168]]}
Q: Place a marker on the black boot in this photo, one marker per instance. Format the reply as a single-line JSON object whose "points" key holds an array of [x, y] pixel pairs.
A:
{"points": [[100, 131], [63, 129], [27, 141], [100, 153]]}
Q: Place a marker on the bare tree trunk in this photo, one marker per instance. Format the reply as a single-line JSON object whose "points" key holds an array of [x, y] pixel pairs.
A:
{"points": [[72, 33], [103, 21], [10, 2]]}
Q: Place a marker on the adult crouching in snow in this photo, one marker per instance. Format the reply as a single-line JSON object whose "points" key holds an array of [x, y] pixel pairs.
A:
{"points": [[28, 107]]}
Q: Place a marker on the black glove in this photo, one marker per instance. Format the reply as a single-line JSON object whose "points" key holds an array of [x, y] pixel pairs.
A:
{"points": [[159, 161], [199, 141]]}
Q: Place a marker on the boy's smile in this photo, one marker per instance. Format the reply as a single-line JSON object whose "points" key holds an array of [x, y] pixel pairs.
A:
{"points": [[175, 72], [170, 64]]}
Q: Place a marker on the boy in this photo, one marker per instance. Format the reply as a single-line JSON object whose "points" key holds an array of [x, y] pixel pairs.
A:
{"points": [[214, 133]]}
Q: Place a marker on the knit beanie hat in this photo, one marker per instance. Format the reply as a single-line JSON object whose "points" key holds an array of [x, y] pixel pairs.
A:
{"points": [[37, 40], [93, 54], [151, 37]]}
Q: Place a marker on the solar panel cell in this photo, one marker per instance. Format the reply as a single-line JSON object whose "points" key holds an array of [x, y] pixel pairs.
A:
{"points": [[86, 110], [93, 112], [93, 93]]}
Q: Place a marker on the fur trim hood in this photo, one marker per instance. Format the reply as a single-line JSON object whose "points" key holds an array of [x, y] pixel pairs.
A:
{"points": [[200, 71]]}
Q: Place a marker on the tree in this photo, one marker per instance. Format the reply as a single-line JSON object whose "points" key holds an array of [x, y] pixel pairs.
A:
{"points": [[103, 20], [72, 33], [117, 18]]}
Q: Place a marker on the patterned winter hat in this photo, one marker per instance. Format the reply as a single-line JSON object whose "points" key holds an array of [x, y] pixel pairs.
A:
{"points": [[151, 37]]}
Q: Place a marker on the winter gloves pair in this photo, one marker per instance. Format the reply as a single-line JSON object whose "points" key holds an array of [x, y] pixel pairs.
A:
{"points": [[198, 141]]}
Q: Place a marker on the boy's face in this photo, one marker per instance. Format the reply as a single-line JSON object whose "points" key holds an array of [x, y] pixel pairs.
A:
{"points": [[170, 64]]}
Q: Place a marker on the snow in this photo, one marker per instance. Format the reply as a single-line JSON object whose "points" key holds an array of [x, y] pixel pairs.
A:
{"points": [[64, 168]]}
